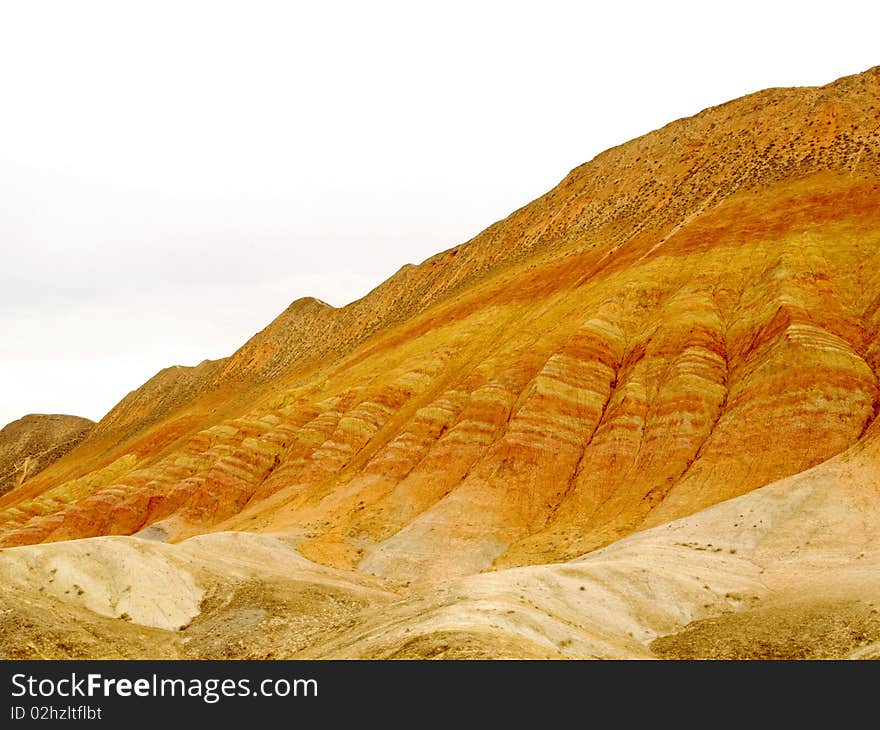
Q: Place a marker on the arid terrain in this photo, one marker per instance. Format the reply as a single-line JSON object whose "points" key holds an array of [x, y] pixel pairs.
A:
{"points": [[634, 419], [30, 444]]}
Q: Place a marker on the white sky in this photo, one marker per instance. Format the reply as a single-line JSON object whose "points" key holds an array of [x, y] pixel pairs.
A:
{"points": [[173, 175]]}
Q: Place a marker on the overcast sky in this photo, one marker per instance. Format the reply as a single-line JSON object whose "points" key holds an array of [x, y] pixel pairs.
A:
{"points": [[173, 175]]}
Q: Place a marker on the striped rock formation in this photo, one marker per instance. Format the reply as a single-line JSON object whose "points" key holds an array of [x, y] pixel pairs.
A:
{"points": [[690, 316]]}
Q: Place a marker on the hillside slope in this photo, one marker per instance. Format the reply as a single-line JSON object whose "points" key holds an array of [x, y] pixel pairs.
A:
{"points": [[34, 442], [687, 318], [788, 571]]}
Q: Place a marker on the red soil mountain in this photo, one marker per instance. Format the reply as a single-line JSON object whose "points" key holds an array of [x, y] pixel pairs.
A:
{"points": [[686, 318]]}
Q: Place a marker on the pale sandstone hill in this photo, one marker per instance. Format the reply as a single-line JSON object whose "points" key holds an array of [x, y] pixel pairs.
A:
{"points": [[32, 443], [683, 320]]}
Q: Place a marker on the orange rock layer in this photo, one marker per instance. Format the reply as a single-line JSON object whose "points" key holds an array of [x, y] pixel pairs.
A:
{"points": [[688, 317]]}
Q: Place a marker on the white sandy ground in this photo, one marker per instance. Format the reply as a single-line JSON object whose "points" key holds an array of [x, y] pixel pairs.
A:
{"points": [[155, 584], [810, 540]]}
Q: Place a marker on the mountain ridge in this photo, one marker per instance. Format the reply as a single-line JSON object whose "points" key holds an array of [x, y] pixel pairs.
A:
{"points": [[426, 361], [636, 418]]}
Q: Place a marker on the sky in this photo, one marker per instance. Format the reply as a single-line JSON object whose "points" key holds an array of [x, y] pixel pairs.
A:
{"points": [[174, 174]]}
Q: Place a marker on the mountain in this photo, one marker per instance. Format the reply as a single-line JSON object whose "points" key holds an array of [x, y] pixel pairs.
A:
{"points": [[30, 444], [634, 418]]}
